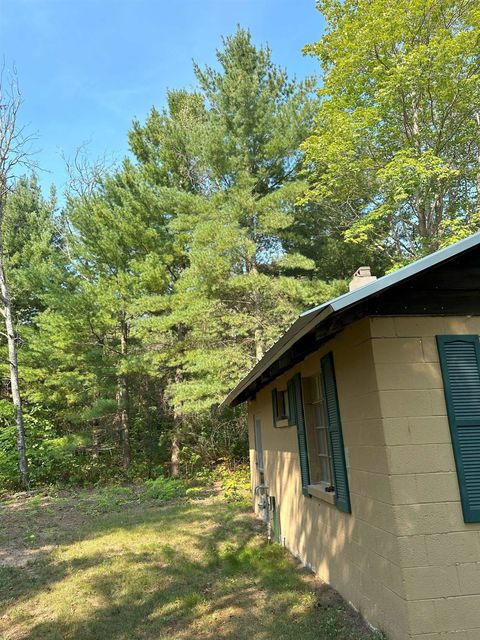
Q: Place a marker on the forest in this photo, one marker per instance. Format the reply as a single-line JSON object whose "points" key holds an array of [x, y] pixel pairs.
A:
{"points": [[133, 302]]}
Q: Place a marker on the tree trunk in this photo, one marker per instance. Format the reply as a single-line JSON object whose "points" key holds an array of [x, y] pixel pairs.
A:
{"points": [[477, 118], [177, 423], [259, 344], [420, 203], [122, 398], [6, 304], [175, 457]]}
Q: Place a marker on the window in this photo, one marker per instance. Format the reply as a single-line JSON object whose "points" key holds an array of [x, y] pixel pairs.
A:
{"points": [[297, 417], [280, 407], [319, 457], [258, 445], [283, 405], [314, 409]]}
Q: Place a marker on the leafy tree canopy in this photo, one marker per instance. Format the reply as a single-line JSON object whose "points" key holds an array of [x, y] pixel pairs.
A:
{"points": [[396, 138]]}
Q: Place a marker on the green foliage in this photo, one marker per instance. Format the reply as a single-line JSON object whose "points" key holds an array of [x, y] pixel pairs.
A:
{"points": [[109, 498], [235, 483], [54, 459], [212, 438], [164, 489], [31, 242], [159, 284], [232, 198], [394, 151], [44, 450], [247, 199], [203, 477]]}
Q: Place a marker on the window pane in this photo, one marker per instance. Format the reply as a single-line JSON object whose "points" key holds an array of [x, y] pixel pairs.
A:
{"points": [[317, 431], [320, 414], [285, 403], [315, 470], [324, 469], [322, 442], [280, 402]]}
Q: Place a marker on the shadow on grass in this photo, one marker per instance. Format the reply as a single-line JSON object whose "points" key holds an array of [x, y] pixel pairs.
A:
{"points": [[186, 571]]}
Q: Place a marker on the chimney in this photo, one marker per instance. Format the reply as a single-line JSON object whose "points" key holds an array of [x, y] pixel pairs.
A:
{"points": [[361, 277]]}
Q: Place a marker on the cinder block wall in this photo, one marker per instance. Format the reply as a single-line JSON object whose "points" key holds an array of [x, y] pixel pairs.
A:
{"points": [[359, 553], [439, 554]]}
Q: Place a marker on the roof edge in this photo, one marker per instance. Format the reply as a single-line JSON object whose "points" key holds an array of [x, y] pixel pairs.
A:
{"points": [[312, 317]]}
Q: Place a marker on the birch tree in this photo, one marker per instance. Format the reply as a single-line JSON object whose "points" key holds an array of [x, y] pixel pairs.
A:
{"points": [[13, 156]]}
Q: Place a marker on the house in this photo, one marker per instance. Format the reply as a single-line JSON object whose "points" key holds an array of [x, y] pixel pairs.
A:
{"points": [[364, 423]]}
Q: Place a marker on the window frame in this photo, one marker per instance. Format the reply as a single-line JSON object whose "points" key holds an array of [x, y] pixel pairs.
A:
{"points": [[257, 432], [280, 407], [314, 397], [338, 494]]}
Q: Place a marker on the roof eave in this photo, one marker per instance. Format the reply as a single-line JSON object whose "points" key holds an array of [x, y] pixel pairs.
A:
{"points": [[312, 317], [289, 338]]}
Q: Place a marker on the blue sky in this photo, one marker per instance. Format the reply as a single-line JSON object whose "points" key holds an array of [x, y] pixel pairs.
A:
{"points": [[86, 68]]}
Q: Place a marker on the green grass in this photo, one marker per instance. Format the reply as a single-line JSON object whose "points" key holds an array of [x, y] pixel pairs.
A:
{"points": [[114, 566]]}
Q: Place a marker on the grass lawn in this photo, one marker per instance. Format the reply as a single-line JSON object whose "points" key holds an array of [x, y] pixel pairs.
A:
{"points": [[109, 566]]}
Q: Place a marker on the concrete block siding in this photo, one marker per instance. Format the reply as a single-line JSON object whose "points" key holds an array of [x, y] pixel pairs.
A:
{"points": [[441, 554], [403, 557]]}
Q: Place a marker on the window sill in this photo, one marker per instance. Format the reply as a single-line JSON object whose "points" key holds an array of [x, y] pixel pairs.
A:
{"points": [[318, 491], [281, 423]]}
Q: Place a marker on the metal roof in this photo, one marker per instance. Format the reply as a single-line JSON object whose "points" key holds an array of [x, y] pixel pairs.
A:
{"points": [[314, 317]]}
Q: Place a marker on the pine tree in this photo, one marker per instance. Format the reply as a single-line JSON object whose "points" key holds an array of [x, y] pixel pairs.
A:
{"points": [[119, 247], [231, 152]]}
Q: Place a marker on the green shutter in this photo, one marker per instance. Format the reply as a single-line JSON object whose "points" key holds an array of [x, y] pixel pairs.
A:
{"points": [[342, 494], [297, 415], [292, 403], [274, 406], [460, 364]]}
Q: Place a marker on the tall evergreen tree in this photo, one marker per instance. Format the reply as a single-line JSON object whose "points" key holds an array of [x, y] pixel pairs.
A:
{"points": [[232, 147], [32, 245], [119, 243]]}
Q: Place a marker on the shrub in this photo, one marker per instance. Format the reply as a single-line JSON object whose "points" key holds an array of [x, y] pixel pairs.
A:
{"points": [[164, 489], [108, 498], [235, 482], [53, 459]]}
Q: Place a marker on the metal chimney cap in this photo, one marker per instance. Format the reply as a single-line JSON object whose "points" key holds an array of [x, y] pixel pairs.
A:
{"points": [[362, 272]]}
